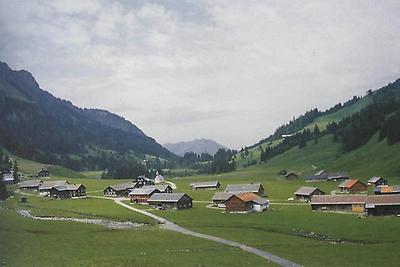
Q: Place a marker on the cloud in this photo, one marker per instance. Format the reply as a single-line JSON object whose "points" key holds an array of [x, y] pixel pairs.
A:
{"points": [[228, 70]]}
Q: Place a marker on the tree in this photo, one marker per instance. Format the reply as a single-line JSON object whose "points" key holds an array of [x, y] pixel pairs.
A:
{"points": [[3, 190], [16, 176]]}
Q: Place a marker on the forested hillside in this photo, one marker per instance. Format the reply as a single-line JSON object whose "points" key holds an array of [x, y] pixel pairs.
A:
{"points": [[38, 126]]}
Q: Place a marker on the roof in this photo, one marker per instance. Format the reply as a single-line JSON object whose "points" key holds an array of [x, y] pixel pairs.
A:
{"points": [[374, 179], [319, 172], [161, 187], [305, 190], [317, 177], [336, 175], [243, 188], [124, 186], [162, 197], [382, 200], [387, 189], [290, 173], [50, 184], [338, 199], [68, 187], [205, 184], [8, 177], [221, 196], [30, 183], [260, 201], [349, 183], [143, 191], [248, 196]]}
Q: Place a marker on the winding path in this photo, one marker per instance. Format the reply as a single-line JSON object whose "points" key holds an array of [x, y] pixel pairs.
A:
{"points": [[165, 224]]}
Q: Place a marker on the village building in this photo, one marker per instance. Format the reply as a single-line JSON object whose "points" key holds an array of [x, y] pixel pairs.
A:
{"points": [[219, 199], [170, 201], [68, 191], [305, 193], [340, 203], [212, 185], [159, 179], [387, 190], [8, 177], [291, 176], [352, 186], [257, 204], [30, 185], [377, 181], [383, 205], [119, 190], [255, 188], [143, 181], [43, 173], [235, 204], [141, 195], [323, 175], [46, 186], [163, 188]]}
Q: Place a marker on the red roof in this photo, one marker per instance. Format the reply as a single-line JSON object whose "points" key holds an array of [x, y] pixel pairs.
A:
{"points": [[349, 183]]}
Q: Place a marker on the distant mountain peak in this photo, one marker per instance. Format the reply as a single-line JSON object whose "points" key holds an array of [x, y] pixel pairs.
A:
{"points": [[199, 145]]}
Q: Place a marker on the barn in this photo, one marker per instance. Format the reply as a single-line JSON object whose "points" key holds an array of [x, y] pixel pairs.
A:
{"points": [[352, 186], [305, 193], [30, 185], [143, 181], [211, 185], [255, 188], [344, 203], [291, 176], [383, 205], [219, 199], [48, 185], [141, 195], [170, 201], [387, 189], [119, 190], [43, 173], [236, 204], [377, 181], [68, 190]]}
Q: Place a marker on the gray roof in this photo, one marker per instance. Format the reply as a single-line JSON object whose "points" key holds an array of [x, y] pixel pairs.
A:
{"points": [[260, 201], [205, 184], [30, 183], [305, 190], [243, 188], [161, 187], [374, 179], [316, 177], [290, 173], [68, 187], [161, 197], [336, 175], [319, 172], [50, 184], [143, 191], [221, 196], [124, 186]]}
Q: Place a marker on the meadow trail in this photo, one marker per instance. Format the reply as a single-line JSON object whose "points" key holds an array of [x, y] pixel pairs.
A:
{"points": [[168, 225]]}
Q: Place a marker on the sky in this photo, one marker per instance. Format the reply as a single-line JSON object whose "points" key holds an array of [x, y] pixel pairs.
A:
{"points": [[232, 71]]}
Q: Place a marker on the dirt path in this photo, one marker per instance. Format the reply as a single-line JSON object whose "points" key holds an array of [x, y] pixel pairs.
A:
{"points": [[174, 227]]}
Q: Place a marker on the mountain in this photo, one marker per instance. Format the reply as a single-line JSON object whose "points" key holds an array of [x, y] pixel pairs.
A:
{"points": [[362, 133], [38, 126], [197, 146]]}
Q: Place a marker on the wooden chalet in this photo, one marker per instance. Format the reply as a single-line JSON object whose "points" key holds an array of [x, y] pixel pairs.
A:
{"points": [[387, 190], [257, 203], [142, 194], [327, 176], [343, 203], [170, 201], [219, 199], [236, 204], [377, 181], [255, 188], [163, 188], [43, 173], [305, 193], [352, 186], [143, 181], [291, 176], [68, 191], [211, 185], [46, 186], [383, 205], [30, 185], [119, 190]]}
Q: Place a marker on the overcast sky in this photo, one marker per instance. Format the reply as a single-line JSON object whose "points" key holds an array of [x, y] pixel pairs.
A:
{"points": [[228, 70]]}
